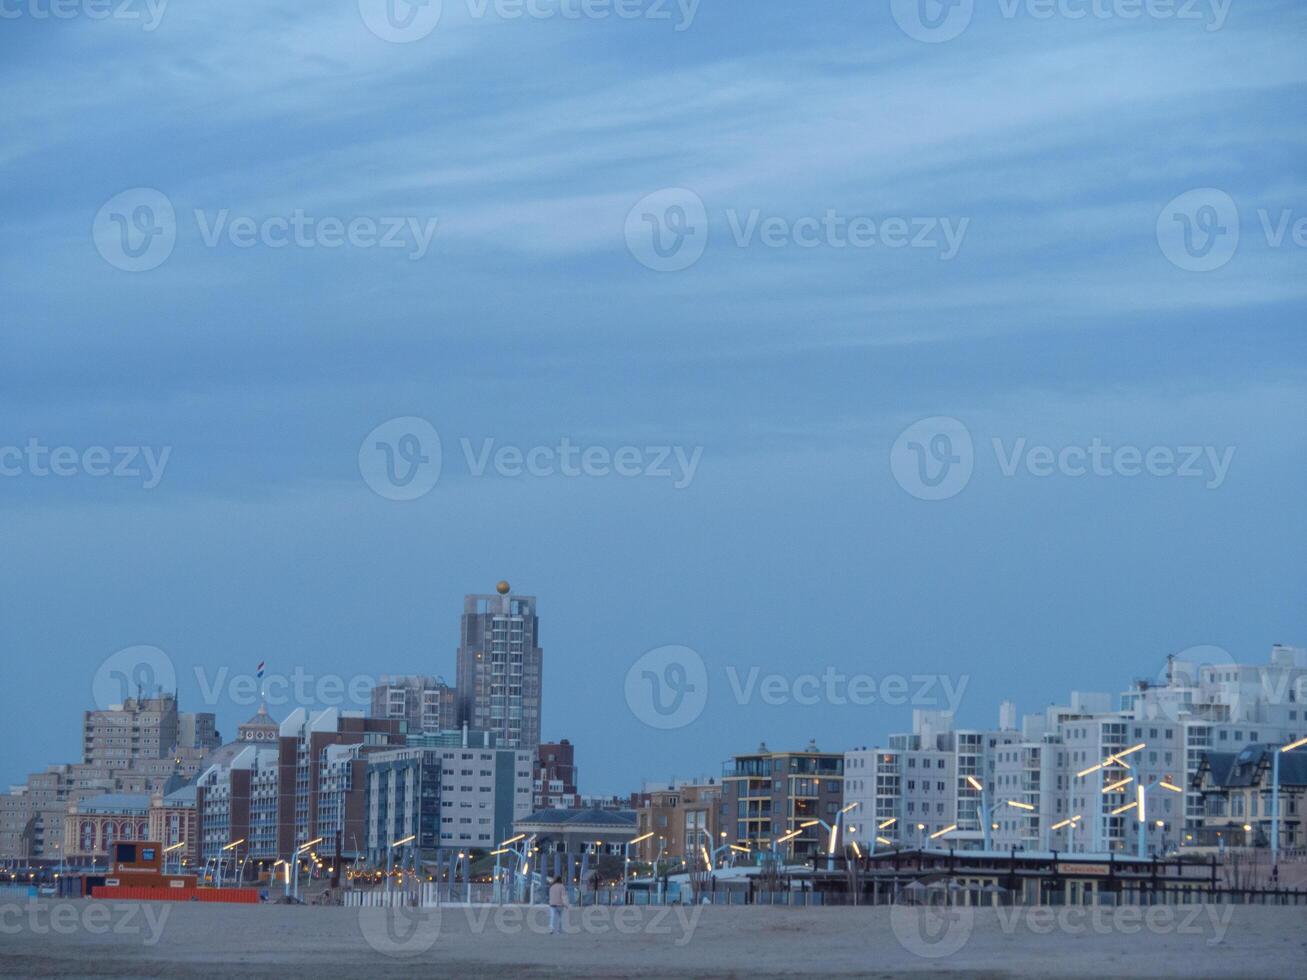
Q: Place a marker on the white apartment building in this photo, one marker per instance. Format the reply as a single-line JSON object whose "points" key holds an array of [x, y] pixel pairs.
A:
{"points": [[1052, 767]]}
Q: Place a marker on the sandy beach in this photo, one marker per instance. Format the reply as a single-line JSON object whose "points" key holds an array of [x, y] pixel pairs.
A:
{"points": [[123, 939]]}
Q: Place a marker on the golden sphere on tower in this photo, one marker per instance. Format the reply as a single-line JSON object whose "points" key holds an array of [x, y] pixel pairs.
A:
{"points": [[502, 588]]}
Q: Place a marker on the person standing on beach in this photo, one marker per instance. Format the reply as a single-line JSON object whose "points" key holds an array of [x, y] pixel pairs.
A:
{"points": [[557, 902]]}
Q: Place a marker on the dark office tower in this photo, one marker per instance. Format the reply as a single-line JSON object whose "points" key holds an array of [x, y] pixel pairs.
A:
{"points": [[499, 667]]}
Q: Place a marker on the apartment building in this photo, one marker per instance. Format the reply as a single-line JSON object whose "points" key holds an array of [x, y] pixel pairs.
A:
{"points": [[455, 795], [684, 819], [766, 795], [500, 667], [424, 704]]}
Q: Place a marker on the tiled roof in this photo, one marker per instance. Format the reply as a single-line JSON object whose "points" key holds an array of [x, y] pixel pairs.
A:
{"points": [[592, 817], [114, 803]]}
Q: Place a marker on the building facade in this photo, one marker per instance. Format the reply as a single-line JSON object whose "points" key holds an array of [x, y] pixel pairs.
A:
{"points": [[684, 819], [500, 667], [767, 795], [554, 780], [464, 796], [424, 704]]}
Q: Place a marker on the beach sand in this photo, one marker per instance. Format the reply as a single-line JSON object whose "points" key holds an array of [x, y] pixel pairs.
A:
{"points": [[123, 939]]}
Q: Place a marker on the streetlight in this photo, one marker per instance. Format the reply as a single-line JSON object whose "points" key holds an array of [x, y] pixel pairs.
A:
{"points": [[390, 856], [1141, 848], [293, 867], [1275, 797], [987, 812], [878, 838], [626, 858], [228, 847], [1117, 759], [1070, 824], [179, 844]]}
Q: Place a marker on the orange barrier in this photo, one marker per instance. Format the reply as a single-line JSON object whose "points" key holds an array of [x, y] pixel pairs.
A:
{"points": [[137, 893]]}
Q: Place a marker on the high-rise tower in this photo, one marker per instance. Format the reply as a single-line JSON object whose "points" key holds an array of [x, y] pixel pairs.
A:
{"points": [[499, 667]]}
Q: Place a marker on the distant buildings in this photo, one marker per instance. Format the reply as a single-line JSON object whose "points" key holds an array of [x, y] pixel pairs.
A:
{"points": [[1054, 780], [1236, 794], [767, 795], [425, 704], [586, 830], [455, 795], [500, 667], [143, 728], [554, 778], [683, 820], [306, 785]]}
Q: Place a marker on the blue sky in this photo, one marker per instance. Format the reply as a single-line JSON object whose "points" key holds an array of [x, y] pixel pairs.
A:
{"points": [[1059, 144]]}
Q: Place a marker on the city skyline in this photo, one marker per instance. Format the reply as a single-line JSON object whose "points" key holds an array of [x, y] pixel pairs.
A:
{"points": [[907, 693]]}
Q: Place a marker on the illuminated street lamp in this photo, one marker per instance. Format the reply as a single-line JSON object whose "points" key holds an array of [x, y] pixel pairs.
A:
{"points": [[1100, 768], [1275, 797], [987, 812], [228, 847], [293, 867], [1070, 824], [1141, 816], [177, 846]]}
